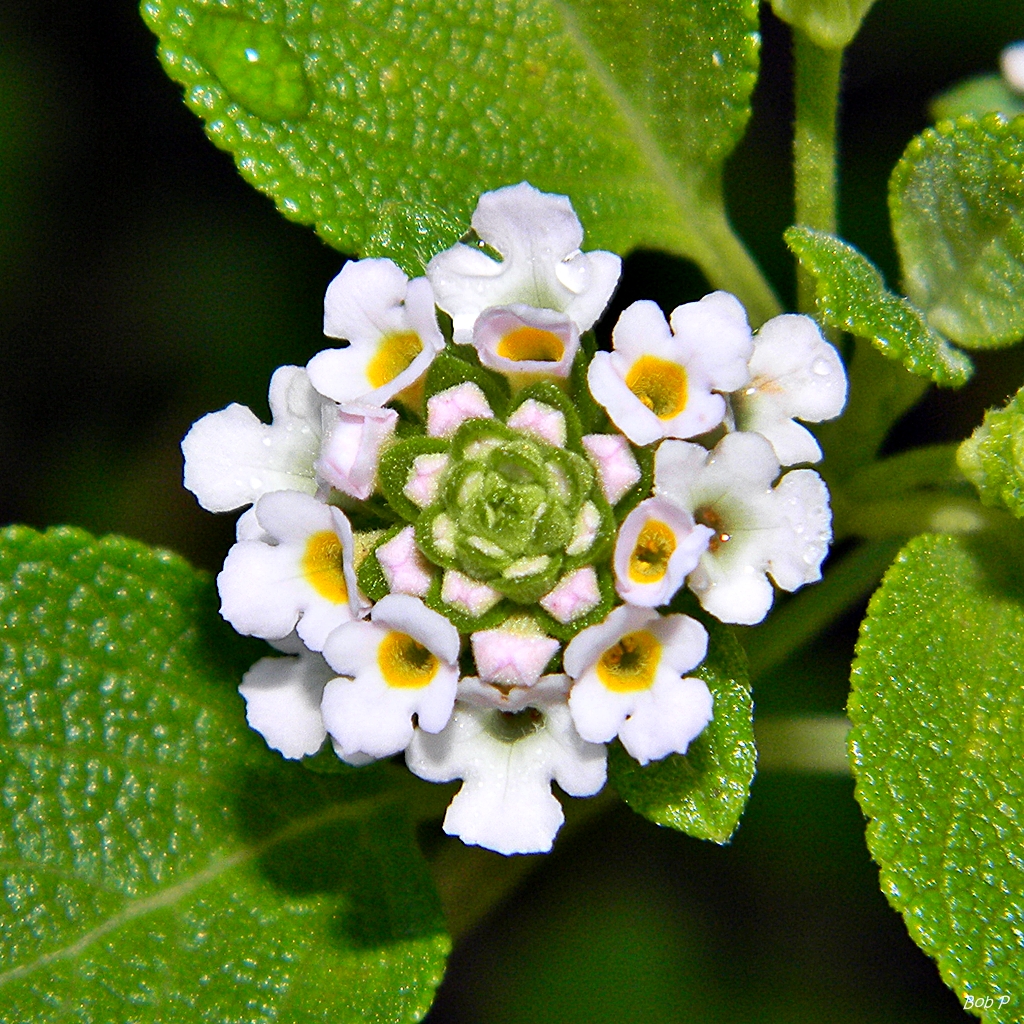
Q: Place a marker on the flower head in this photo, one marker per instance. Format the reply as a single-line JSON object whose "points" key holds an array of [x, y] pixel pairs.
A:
{"points": [[498, 526]]}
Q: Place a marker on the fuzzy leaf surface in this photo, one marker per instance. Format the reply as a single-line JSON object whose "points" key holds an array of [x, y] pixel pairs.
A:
{"points": [[852, 296], [957, 204], [938, 755], [159, 863], [992, 458], [828, 23], [380, 122], [704, 792]]}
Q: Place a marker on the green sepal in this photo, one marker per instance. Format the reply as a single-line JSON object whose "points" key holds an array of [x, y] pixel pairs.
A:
{"points": [[642, 488], [593, 417], [463, 621], [395, 467], [976, 97], [565, 631], [992, 458], [549, 393], [528, 589], [957, 204], [702, 793], [604, 538], [852, 296], [938, 756], [369, 574], [450, 369]]}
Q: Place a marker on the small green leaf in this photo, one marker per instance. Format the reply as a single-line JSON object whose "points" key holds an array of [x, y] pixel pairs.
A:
{"points": [[975, 97], [381, 123], [704, 792], [938, 753], [852, 296], [992, 458], [159, 864], [828, 23], [957, 203]]}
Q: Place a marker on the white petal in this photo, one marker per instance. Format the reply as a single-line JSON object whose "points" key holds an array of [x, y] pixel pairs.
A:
{"points": [[1011, 63], [231, 458], [717, 328], [796, 558], [674, 715], [351, 448], [282, 702]]}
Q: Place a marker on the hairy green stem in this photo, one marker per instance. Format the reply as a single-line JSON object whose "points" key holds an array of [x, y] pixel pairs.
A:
{"points": [[814, 145]]}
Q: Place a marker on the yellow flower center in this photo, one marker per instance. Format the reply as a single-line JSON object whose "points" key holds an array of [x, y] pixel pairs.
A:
{"points": [[322, 565], [659, 384], [654, 547], [631, 663], [531, 343], [405, 662], [394, 354]]}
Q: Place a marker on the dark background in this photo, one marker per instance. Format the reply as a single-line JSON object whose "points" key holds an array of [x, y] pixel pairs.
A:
{"points": [[142, 284]]}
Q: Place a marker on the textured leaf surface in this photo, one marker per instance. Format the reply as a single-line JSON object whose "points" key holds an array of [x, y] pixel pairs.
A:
{"points": [[381, 121], [703, 793], [992, 458], [852, 296], [975, 97], [938, 752], [158, 862], [829, 23], [957, 203]]}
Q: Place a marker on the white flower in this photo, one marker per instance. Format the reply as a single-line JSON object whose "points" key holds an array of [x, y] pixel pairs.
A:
{"points": [[1011, 63], [538, 237], [232, 459], [514, 655], [615, 463], [390, 324], [659, 382], [507, 750], [351, 449], [299, 575], [520, 339], [401, 663], [658, 545], [784, 531], [282, 702], [630, 681], [794, 372]]}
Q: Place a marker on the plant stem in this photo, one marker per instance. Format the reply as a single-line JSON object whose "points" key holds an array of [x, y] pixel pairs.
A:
{"points": [[814, 145]]}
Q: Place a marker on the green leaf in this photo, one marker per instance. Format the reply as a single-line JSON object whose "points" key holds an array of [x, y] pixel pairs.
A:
{"points": [[852, 296], [992, 458], [704, 792], [938, 753], [957, 204], [975, 97], [159, 863], [381, 123], [828, 23]]}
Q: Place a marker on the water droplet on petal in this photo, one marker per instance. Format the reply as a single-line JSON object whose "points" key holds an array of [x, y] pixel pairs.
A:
{"points": [[820, 367], [257, 68]]}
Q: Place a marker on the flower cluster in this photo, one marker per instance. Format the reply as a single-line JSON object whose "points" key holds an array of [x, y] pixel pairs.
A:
{"points": [[465, 541]]}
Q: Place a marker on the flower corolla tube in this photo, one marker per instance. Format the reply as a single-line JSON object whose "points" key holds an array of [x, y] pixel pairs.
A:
{"points": [[479, 541]]}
